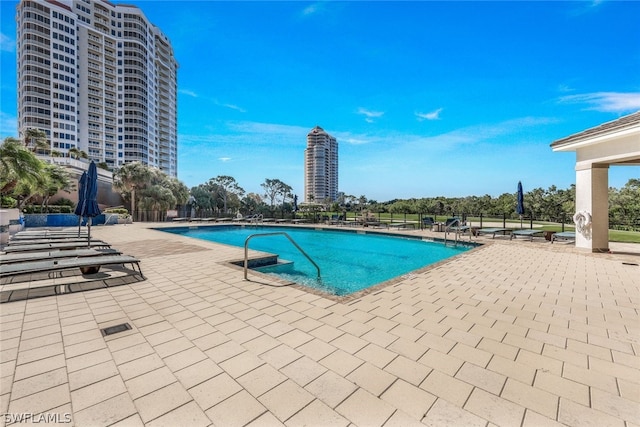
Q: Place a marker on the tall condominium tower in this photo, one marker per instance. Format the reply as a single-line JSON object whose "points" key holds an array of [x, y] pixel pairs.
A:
{"points": [[98, 77], [320, 166]]}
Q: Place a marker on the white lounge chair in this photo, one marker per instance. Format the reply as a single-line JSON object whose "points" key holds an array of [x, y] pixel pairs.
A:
{"points": [[494, 230], [8, 272], [530, 233], [565, 235]]}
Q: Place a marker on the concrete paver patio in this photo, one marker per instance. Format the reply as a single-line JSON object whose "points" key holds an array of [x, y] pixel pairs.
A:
{"points": [[515, 333]]}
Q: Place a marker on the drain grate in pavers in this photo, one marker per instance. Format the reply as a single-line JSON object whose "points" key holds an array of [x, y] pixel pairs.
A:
{"points": [[115, 329]]}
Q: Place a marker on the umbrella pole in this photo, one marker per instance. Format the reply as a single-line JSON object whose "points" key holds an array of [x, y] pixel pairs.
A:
{"points": [[79, 224], [89, 232]]}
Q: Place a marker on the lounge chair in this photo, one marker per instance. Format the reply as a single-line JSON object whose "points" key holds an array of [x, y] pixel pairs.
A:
{"points": [[398, 225], [493, 231], [450, 221], [31, 237], [252, 218], [530, 233], [49, 233], [8, 272], [19, 242], [38, 256], [335, 220], [428, 222], [56, 245], [565, 235]]}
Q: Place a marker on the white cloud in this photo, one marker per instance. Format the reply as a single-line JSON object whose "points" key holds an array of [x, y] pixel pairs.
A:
{"points": [[355, 141], [270, 130], [609, 102], [564, 88], [224, 159], [370, 115], [188, 93], [315, 8], [215, 101], [7, 44], [434, 115], [233, 107]]}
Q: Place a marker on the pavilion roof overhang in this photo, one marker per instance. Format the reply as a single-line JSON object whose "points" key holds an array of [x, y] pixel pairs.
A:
{"points": [[624, 127], [613, 143]]}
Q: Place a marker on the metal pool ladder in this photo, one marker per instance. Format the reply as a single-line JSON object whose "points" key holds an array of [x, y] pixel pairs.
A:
{"points": [[279, 233], [447, 229]]}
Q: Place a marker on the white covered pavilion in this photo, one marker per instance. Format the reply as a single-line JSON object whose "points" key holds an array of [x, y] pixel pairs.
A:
{"points": [[615, 143]]}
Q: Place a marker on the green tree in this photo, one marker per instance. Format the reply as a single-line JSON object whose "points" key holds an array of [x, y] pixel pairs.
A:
{"points": [[76, 153], [36, 140], [624, 206], [128, 179], [226, 188], [56, 179], [179, 190], [155, 199], [274, 188], [18, 165]]}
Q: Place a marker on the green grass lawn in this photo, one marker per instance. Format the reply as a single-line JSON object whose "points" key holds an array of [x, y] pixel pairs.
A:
{"points": [[614, 235]]}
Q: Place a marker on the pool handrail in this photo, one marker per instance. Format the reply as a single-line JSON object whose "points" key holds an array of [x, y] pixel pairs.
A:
{"points": [[278, 233]]}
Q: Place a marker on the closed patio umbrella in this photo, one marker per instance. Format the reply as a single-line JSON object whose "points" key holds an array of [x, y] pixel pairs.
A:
{"points": [[520, 206], [90, 206], [82, 186]]}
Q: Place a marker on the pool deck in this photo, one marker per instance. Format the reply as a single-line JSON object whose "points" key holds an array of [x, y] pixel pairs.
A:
{"points": [[515, 333]]}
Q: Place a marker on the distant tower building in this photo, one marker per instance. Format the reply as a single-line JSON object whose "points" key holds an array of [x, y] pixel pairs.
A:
{"points": [[98, 77], [320, 167]]}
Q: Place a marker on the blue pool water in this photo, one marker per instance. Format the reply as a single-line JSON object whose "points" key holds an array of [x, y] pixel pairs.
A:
{"points": [[348, 261]]}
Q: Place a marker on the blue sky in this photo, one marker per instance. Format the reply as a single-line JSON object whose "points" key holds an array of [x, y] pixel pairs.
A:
{"points": [[425, 98]]}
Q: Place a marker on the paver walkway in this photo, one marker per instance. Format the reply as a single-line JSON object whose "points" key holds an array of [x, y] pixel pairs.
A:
{"points": [[512, 334]]}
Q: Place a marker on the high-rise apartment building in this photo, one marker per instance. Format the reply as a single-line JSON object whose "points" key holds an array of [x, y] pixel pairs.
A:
{"points": [[320, 167], [98, 77]]}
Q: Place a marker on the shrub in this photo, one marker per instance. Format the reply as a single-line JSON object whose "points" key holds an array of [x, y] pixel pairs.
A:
{"points": [[119, 211], [63, 202], [36, 209], [8, 202]]}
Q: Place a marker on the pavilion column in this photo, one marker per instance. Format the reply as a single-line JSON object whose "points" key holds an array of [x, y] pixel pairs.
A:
{"points": [[592, 196]]}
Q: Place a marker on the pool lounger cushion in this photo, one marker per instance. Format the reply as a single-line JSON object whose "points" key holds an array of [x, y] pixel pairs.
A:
{"points": [[55, 254], [56, 245], [494, 231], [9, 271], [530, 233], [20, 242], [565, 235]]}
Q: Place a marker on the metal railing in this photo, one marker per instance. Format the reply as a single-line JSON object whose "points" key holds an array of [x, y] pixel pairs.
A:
{"points": [[280, 233], [456, 221]]}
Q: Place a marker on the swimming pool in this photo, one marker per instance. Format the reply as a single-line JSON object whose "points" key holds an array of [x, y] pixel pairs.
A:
{"points": [[349, 261]]}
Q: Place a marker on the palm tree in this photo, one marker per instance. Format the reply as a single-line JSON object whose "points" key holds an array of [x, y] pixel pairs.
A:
{"points": [[156, 198], [57, 179], [36, 140], [18, 165], [130, 177], [76, 153]]}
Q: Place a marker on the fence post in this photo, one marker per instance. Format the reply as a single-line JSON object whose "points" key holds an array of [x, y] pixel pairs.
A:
{"points": [[504, 220], [531, 220]]}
